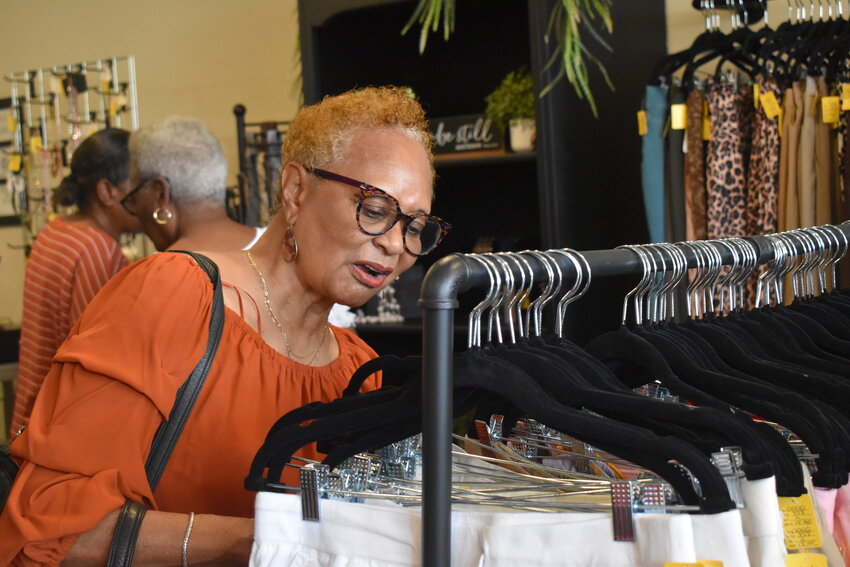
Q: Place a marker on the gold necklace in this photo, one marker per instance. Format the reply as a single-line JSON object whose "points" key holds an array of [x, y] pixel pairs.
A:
{"points": [[268, 303]]}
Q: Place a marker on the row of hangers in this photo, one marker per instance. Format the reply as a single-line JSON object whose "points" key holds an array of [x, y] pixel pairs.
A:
{"points": [[812, 40], [758, 378]]}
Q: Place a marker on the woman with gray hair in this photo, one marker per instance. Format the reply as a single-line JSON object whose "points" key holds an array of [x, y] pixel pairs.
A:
{"points": [[180, 194]]}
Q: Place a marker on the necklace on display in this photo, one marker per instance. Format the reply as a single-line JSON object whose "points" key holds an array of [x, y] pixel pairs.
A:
{"points": [[268, 303]]}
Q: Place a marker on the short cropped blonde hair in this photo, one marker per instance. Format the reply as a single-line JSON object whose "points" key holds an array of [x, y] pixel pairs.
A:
{"points": [[319, 133]]}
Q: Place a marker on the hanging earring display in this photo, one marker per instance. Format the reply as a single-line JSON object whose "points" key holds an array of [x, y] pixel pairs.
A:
{"points": [[162, 216], [52, 110]]}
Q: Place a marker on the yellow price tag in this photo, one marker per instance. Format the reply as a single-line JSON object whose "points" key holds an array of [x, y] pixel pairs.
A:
{"points": [[770, 105], [756, 95], [706, 122], [710, 562], [35, 144], [678, 116], [11, 123], [641, 118], [806, 560], [116, 103], [845, 96], [831, 108], [15, 163], [799, 523]]}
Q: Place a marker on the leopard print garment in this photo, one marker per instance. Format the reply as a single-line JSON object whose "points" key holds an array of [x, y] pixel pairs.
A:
{"points": [[763, 175], [727, 159], [695, 169]]}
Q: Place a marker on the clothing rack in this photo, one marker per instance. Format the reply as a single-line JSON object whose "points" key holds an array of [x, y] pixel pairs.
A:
{"points": [[445, 280]]}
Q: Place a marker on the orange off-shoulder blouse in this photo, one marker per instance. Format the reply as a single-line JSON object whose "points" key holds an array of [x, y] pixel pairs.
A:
{"points": [[112, 383]]}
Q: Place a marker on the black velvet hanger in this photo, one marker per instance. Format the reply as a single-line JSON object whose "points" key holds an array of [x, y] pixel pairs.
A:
{"points": [[552, 367], [475, 370], [637, 361], [782, 353], [790, 408]]}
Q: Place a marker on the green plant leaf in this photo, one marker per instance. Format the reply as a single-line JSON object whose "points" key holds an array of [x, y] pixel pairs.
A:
{"points": [[513, 98], [428, 15], [567, 21]]}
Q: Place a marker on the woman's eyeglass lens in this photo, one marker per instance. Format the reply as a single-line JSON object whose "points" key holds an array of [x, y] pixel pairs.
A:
{"points": [[377, 213]]}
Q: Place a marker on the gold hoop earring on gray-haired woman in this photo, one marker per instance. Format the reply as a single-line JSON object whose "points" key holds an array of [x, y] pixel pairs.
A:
{"points": [[162, 216]]}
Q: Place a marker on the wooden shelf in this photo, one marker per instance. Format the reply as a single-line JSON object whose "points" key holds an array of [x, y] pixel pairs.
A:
{"points": [[486, 156]]}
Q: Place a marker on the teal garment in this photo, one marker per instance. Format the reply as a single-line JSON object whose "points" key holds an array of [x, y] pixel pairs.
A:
{"points": [[652, 166]]}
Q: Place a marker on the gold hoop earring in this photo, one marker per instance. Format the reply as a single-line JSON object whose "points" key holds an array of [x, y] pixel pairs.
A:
{"points": [[290, 245], [158, 219]]}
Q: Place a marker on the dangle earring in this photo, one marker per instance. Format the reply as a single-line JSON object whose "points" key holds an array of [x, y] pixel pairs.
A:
{"points": [[290, 244], [162, 216]]}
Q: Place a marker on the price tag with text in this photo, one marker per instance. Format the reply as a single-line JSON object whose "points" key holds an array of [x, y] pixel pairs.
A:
{"points": [[845, 96], [799, 522], [641, 119]]}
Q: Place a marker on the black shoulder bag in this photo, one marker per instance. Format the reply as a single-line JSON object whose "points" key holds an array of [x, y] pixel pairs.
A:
{"points": [[130, 520]]}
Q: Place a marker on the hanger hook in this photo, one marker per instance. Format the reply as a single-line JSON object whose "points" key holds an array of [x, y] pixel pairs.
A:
{"points": [[474, 333], [535, 309], [581, 267]]}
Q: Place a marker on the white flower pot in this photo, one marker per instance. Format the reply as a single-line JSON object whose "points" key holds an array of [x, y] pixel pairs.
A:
{"points": [[522, 134]]}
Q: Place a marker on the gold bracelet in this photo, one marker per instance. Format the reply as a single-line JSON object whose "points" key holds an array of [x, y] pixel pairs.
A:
{"points": [[186, 539]]}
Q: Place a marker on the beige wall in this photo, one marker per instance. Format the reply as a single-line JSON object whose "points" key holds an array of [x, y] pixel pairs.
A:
{"points": [[194, 57]]}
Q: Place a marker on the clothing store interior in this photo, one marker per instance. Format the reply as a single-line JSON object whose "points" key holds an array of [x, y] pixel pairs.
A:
{"points": [[612, 330]]}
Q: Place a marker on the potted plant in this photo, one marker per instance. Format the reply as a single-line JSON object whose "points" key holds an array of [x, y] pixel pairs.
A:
{"points": [[511, 107], [567, 20]]}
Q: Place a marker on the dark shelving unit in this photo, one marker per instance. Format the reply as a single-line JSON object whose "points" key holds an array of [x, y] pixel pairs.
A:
{"points": [[581, 186]]}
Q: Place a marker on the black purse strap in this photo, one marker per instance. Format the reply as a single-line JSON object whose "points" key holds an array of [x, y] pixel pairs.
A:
{"points": [[169, 431], [130, 519]]}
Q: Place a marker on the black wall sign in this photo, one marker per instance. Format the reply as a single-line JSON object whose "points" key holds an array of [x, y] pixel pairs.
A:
{"points": [[470, 133]]}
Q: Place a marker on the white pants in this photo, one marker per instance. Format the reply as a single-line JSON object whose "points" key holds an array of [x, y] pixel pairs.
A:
{"points": [[386, 535]]}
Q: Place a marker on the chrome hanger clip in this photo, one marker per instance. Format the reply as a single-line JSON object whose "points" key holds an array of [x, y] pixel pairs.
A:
{"points": [[729, 461], [622, 509]]}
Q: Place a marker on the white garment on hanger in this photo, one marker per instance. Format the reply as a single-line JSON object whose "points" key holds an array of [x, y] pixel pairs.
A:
{"points": [[720, 537], [762, 523], [386, 535]]}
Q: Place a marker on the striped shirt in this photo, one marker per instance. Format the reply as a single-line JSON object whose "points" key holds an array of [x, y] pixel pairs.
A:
{"points": [[68, 265]]}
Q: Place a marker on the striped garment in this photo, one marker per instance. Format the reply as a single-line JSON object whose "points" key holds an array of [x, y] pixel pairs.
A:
{"points": [[68, 265]]}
